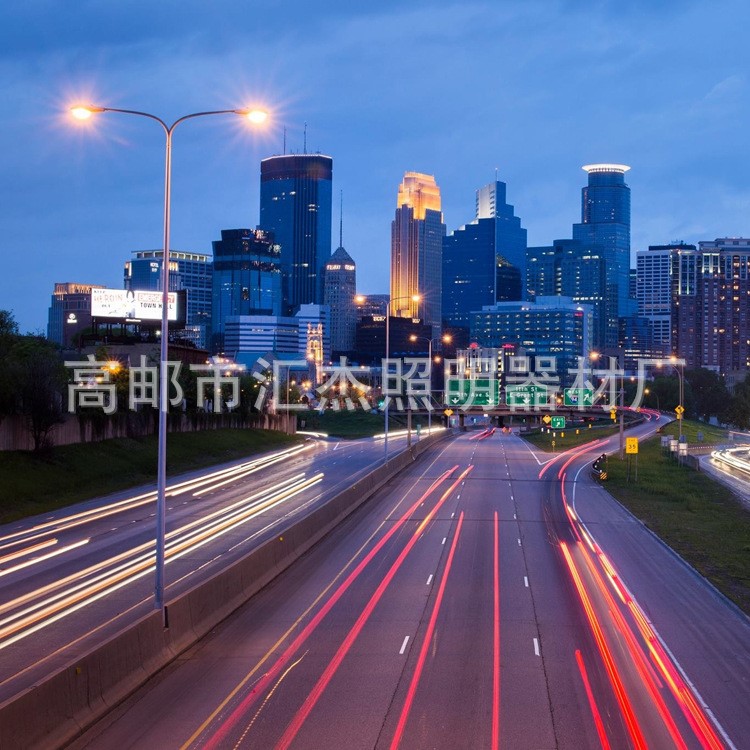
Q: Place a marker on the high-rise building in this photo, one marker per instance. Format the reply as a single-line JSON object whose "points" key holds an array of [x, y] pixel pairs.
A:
{"points": [[605, 223], [549, 327], [247, 337], [510, 236], [191, 272], [69, 312], [572, 269], [654, 288], [724, 297], [476, 271], [246, 278], [371, 336], [295, 205], [416, 251], [339, 291]]}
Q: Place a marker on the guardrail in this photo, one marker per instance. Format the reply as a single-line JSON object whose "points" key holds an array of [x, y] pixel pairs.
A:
{"points": [[62, 706]]}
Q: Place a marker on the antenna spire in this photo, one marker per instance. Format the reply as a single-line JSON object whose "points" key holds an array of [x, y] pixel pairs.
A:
{"points": [[304, 144], [284, 140]]}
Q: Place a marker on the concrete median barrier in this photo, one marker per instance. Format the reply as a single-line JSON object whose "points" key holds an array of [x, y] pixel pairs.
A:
{"points": [[60, 707]]}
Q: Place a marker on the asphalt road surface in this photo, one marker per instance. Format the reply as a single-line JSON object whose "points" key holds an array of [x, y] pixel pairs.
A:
{"points": [[70, 578], [489, 596]]}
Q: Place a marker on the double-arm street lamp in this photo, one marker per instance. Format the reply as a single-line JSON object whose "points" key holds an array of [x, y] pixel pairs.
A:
{"points": [[256, 117], [446, 339], [594, 356], [360, 299]]}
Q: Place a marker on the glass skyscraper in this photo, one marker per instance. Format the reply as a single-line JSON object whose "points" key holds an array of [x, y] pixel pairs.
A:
{"points": [[340, 289], [417, 233], [246, 279], [295, 205], [605, 223]]}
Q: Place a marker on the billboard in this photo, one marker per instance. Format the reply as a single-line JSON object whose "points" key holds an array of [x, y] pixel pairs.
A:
{"points": [[132, 306]]}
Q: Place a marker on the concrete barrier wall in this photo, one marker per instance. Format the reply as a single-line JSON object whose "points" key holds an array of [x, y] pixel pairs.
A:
{"points": [[59, 708]]}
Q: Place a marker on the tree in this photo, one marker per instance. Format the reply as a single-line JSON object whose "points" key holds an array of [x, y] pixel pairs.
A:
{"points": [[8, 339], [38, 378], [737, 409], [709, 392]]}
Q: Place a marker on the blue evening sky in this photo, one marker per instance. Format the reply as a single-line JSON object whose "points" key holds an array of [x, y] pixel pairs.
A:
{"points": [[534, 88]]}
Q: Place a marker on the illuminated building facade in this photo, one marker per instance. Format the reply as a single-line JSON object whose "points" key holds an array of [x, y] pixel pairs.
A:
{"points": [[295, 205], [69, 312], [417, 233]]}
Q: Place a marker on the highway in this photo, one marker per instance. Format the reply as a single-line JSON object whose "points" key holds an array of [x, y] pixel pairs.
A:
{"points": [[70, 578], [488, 597]]}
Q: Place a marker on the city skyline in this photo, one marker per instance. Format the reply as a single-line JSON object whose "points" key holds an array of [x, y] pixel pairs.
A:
{"points": [[93, 195]]}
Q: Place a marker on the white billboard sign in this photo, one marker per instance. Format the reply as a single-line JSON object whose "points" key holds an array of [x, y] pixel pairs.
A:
{"points": [[129, 305]]}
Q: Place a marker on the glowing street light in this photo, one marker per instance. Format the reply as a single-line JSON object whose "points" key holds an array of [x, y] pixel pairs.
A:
{"points": [[84, 112], [446, 338]]}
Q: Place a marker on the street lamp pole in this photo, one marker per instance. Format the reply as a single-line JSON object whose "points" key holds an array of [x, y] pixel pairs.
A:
{"points": [[256, 116]]}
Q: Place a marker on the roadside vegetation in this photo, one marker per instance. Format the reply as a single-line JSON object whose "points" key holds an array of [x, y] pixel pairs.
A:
{"points": [[698, 517], [352, 425], [32, 483], [572, 435]]}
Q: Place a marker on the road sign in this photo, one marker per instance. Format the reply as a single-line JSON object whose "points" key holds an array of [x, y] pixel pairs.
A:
{"points": [[631, 445], [558, 423], [468, 392], [448, 412], [579, 396], [546, 419], [613, 414], [526, 395], [679, 411]]}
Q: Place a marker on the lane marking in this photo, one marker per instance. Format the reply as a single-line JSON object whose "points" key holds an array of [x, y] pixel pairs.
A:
{"points": [[495, 740], [592, 703], [536, 646], [429, 579], [445, 539], [425, 643], [526, 581], [519, 541], [403, 645]]}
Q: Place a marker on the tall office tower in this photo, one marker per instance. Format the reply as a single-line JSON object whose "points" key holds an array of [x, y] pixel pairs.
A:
{"points": [[723, 324], [549, 327], [246, 278], [192, 272], [474, 276], [572, 269], [416, 251], [295, 205], [653, 290], [605, 222], [685, 309], [339, 291], [510, 236], [69, 312]]}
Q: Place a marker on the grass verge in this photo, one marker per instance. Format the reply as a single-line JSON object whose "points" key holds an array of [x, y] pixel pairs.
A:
{"points": [[31, 484], [696, 516]]}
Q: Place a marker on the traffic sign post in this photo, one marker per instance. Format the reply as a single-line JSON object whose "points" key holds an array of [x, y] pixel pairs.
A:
{"points": [[580, 397], [679, 411], [631, 449], [546, 419], [526, 395], [558, 423], [466, 393]]}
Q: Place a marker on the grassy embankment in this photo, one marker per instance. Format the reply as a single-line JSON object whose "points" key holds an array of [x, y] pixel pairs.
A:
{"points": [[356, 424], [698, 517], [31, 484], [572, 436]]}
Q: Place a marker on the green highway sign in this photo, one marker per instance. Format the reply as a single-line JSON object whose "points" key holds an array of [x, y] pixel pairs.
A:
{"points": [[579, 396], [526, 395], [465, 392], [558, 423]]}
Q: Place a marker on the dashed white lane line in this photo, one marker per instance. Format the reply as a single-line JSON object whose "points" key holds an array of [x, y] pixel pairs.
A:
{"points": [[536, 647], [519, 542], [429, 579], [445, 538], [526, 581], [403, 645]]}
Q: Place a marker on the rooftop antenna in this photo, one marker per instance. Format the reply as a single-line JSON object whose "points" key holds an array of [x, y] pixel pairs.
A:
{"points": [[495, 174], [284, 140], [341, 220], [304, 144]]}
